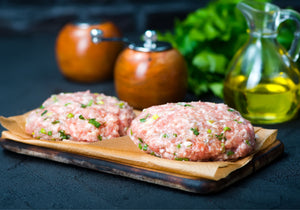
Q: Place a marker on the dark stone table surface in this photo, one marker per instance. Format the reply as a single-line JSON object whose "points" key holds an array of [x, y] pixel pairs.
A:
{"points": [[29, 75]]}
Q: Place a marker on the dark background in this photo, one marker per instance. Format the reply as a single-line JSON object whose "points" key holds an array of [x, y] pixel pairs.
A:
{"points": [[29, 75], [133, 17]]}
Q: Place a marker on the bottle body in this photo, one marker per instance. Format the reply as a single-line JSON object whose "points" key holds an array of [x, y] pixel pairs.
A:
{"points": [[263, 82]]}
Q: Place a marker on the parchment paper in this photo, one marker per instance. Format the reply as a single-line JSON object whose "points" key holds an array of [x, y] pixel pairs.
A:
{"points": [[123, 150]]}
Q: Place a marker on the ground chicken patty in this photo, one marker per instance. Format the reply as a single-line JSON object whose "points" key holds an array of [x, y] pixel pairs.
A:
{"points": [[80, 116], [196, 131]]}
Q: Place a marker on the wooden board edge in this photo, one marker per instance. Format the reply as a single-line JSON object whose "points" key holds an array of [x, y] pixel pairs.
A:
{"points": [[189, 184]]}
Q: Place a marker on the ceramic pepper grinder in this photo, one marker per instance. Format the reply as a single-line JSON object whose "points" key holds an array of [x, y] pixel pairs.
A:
{"points": [[150, 73], [79, 59]]}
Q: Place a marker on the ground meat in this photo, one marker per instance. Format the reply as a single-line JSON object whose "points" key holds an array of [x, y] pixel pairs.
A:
{"points": [[196, 131], [80, 116]]}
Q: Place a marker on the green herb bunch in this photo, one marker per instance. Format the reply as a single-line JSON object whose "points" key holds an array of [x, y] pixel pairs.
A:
{"points": [[208, 39]]}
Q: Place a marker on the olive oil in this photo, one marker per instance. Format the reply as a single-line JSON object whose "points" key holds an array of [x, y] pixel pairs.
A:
{"points": [[268, 102]]}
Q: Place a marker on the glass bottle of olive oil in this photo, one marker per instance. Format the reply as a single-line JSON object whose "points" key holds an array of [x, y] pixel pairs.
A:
{"points": [[273, 101], [263, 82]]}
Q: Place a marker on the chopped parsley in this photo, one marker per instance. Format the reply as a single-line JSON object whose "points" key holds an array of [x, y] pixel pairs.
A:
{"points": [[219, 136], [100, 102], [54, 98], [81, 117], [55, 122], [94, 122], [155, 116], [144, 119], [145, 147], [229, 153], [99, 137], [195, 131], [63, 135], [227, 129], [121, 105], [140, 146], [42, 107], [230, 110], [182, 159], [44, 112], [247, 142], [223, 147], [175, 134], [43, 131], [237, 121], [165, 135], [178, 146], [49, 133], [141, 140], [67, 104], [90, 103], [70, 115], [184, 104]]}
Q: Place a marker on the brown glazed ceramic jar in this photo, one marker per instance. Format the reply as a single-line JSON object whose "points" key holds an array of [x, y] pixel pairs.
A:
{"points": [[81, 60], [150, 73]]}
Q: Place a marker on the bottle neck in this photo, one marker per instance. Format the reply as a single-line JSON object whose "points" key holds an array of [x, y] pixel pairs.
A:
{"points": [[263, 34]]}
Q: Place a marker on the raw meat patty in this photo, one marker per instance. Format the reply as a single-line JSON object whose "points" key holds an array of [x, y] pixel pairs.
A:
{"points": [[80, 116], [195, 131]]}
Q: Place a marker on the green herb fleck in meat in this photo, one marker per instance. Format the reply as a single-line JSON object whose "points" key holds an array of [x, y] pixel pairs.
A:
{"points": [[195, 131], [43, 131], [81, 117], [141, 140], [70, 115], [247, 142], [239, 122], [63, 135], [184, 104], [90, 103], [165, 135], [227, 129], [182, 159], [140, 146], [145, 147], [54, 98], [55, 122], [144, 119], [99, 137], [121, 105], [94, 122], [229, 153], [230, 110], [44, 112], [223, 147], [219, 136], [49, 133], [178, 146]]}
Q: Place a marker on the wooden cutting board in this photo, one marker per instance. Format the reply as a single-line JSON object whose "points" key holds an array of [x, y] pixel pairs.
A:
{"points": [[186, 183]]}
